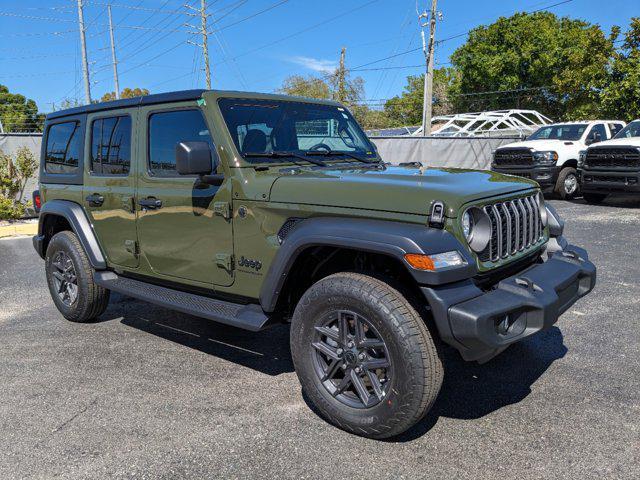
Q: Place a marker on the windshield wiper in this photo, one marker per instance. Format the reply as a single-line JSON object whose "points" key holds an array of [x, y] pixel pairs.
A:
{"points": [[328, 153], [281, 154]]}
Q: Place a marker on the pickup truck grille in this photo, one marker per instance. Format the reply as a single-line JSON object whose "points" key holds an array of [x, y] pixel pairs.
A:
{"points": [[515, 227], [613, 157], [509, 157]]}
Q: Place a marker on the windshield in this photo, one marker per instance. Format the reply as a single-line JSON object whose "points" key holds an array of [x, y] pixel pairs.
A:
{"points": [[631, 130], [263, 126], [559, 132]]}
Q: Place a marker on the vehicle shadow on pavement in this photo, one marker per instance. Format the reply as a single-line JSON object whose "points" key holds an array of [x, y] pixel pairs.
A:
{"points": [[266, 351], [471, 391], [613, 200]]}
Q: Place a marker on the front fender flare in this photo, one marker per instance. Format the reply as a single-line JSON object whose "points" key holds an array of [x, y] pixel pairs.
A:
{"points": [[74, 214], [390, 238]]}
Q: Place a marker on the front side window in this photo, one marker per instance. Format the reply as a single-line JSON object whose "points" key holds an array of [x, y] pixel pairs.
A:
{"points": [[111, 146], [599, 130], [264, 126], [631, 130], [166, 130], [559, 132], [62, 154]]}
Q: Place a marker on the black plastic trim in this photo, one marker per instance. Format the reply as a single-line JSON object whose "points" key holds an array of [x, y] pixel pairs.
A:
{"points": [[532, 172], [74, 214], [532, 300], [394, 239]]}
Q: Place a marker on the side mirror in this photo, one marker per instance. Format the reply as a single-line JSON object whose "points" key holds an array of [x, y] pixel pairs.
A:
{"points": [[197, 158]]}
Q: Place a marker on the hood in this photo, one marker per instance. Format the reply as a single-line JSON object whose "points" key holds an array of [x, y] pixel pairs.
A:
{"points": [[618, 142], [543, 145], [393, 189]]}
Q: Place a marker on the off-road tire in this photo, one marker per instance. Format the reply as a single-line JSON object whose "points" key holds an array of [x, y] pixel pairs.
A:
{"points": [[594, 198], [92, 299], [561, 189], [417, 367]]}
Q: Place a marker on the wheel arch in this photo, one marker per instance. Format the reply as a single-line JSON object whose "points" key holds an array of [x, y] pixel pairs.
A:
{"points": [[379, 239], [572, 162], [60, 215]]}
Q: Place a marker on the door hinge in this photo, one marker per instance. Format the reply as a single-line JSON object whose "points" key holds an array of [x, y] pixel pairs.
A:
{"points": [[132, 247], [224, 260], [223, 209]]}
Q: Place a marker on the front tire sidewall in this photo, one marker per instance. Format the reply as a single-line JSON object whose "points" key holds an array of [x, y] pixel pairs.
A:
{"points": [[560, 185], [399, 408]]}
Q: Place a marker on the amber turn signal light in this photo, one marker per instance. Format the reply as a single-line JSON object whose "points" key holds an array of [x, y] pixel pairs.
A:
{"points": [[420, 261]]}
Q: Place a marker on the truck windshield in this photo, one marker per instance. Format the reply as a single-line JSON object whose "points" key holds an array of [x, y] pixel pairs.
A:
{"points": [[264, 126], [559, 132], [631, 130]]}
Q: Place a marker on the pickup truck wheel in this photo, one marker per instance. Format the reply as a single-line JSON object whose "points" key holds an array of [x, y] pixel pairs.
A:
{"points": [[70, 279], [594, 198], [364, 356], [567, 185]]}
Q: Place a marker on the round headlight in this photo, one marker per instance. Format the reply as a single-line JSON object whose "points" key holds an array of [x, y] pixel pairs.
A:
{"points": [[544, 215], [476, 227], [467, 224]]}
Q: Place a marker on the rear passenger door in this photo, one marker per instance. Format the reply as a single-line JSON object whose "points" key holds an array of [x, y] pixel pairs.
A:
{"points": [[109, 183]]}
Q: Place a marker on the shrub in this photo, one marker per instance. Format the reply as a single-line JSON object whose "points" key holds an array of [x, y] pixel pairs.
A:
{"points": [[9, 209]]}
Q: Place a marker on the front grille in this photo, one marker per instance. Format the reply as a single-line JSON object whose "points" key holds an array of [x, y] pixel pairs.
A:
{"points": [[516, 226], [509, 157], [613, 157]]}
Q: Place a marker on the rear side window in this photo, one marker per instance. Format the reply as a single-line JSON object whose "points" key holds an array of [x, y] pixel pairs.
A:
{"points": [[111, 146], [599, 128], [615, 128], [166, 130], [63, 148]]}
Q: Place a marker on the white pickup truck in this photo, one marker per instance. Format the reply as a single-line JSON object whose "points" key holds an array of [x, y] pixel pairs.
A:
{"points": [[612, 166], [550, 155]]}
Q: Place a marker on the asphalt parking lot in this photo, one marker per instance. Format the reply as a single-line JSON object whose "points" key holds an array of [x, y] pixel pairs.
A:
{"points": [[149, 393]]}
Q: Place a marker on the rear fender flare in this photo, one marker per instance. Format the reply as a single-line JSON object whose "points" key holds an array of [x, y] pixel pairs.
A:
{"points": [[390, 238], [75, 216]]}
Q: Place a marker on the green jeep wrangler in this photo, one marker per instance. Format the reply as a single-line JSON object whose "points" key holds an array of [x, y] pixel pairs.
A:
{"points": [[252, 209]]}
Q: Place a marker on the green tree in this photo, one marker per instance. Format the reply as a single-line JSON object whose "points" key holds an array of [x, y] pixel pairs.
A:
{"points": [[126, 93], [309, 86], [406, 109], [555, 65], [18, 113], [621, 96], [14, 174]]}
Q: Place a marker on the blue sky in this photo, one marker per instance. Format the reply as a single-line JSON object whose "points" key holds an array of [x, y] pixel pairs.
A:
{"points": [[40, 47]]}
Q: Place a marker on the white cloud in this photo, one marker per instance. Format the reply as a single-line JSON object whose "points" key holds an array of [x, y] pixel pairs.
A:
{"points": [[315, 64]]}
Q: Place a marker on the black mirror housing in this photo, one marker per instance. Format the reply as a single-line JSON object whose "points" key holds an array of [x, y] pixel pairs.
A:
{"points": [[195, 158]]}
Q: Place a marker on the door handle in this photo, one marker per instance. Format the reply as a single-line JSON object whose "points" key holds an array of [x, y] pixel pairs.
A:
{"points": [[150, 203], [95, 199]]}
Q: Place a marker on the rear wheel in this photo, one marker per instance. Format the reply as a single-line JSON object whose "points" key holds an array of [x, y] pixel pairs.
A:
{"points": [[594, 198], [70, 279], [567, 185], [364, 356]]}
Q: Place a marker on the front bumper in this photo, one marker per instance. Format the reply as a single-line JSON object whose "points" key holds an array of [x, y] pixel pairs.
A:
{"points": [[604, 181], [481, 324], [546, 176]]}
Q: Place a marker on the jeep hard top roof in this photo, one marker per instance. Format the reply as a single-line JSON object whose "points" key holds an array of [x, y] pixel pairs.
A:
{"points": [[178, 96]]}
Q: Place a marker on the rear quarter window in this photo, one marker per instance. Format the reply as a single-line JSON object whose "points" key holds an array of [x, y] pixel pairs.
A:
{"points": [[62, 154]]}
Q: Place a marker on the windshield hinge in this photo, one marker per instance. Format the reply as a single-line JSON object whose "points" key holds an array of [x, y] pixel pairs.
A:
{"points": [[224, 260], [223, 209]]}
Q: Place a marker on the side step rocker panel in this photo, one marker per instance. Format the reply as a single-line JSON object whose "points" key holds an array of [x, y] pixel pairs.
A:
{"points": [[247, 317]]}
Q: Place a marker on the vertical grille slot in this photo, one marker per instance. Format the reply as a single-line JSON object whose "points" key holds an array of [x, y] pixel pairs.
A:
{"points": [[515, 226]]}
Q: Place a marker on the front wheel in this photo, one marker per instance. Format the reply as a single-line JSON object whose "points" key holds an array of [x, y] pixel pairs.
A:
{"points": [[567, 185], [364, 356]]}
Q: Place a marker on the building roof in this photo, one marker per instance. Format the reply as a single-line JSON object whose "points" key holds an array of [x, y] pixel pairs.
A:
{"points": [[130, 102]]}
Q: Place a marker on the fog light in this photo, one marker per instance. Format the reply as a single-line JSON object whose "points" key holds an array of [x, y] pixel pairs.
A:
{"points": [[436, 261]]}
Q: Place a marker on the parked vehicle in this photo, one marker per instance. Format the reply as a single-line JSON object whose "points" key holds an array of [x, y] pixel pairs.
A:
{"points": [[550, 155], [612, 166], [252, 209]]}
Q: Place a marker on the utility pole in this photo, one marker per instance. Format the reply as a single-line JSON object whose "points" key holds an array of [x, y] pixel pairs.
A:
{"points": [[202, 12], [342, 81], [85, 63], [113, 55], [427, 101]]}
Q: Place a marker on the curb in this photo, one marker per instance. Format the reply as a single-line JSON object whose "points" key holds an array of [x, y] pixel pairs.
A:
{"points": [[19, 229]]}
